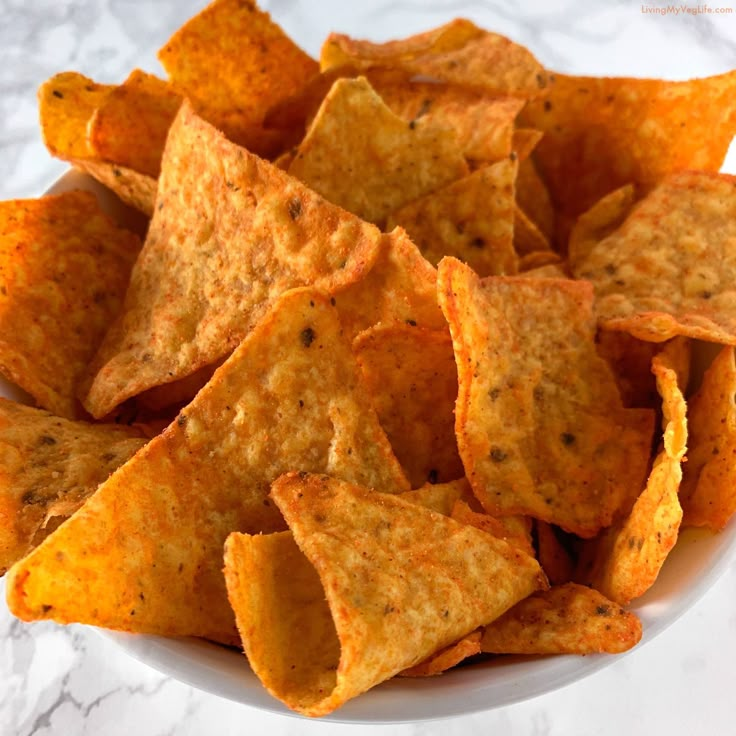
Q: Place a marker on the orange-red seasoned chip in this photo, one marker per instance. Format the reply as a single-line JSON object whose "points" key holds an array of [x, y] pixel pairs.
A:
{"points": [[144, 554], [603, 133], [64, 269], [670, 268], [230, 233], [233, 63], [130, 124], [459, 52], [532, 196], [360, 155], [569, 619], [540, 425], [446, 658], [471, 219], [708, 492], [412, 379]]}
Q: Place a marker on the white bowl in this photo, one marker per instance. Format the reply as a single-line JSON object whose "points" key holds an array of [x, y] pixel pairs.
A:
{"points": [[691, 569]]}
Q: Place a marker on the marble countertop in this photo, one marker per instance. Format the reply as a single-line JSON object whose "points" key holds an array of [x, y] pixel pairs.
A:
{"points": [[69, 680]]}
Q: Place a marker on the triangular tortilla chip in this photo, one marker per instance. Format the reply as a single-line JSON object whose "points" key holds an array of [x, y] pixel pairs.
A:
{"points": [[630, 554], [539, 421], [569, 619], [145, 552], [708, 492], [440, 497], [229, 234], [602, 133], [361, 156], [670, 268], [233, 62], [64, 269], [446, 658], [130, 125], [67, 102], [400, 582], [459, 52], [48, 468], [471, 219], [412, 380], [516, 530], [400, 288]]}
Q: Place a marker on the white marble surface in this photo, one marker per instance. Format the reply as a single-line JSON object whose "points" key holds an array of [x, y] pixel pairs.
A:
{"points": [[56, 680]]}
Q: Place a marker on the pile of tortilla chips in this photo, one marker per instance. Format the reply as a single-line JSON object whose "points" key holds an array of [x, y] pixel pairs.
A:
{"points": [[400, 374]]}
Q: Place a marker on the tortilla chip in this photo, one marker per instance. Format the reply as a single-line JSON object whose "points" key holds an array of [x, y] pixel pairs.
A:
{"points": [[66, 102], [64, 268], [534, 200], [516, 530], [400, 288], [135, 189], [471, 219], [130, 124], [574, 452], [631, 362], [708, 492], [400, 582], [601, 220], [361, 156], [48, 468], [229, 234], [669, 269], [446, 658], [569, 619], [233, 63], [630, 554], [145, 552], [483, 124], [552, 555], [525, 141], [528, 238], [458, 52], [440, 497], [602, 133], [411, 377]]}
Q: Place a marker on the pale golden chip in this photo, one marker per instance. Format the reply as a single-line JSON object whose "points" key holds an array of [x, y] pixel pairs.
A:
{"points": [[471, 219], [396, 581], [569, 619], [233, 63], [411, 377], [363, 157], [64, 269], [458, 52], [708, 492], [670, 268], [230, 233], [540, 425], [144, 554]]}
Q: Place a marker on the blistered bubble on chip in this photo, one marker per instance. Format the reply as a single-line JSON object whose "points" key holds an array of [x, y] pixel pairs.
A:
{"points": [[540, 425], [49, 466], [471, 219], [398, 583], [145, 552], [603, 133], [412, 380], [64, 268], [670, 268], [458, 52], [708, 492], [361, 156], [130, 125], [569, 619], [229, 234], [233, 63]]}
